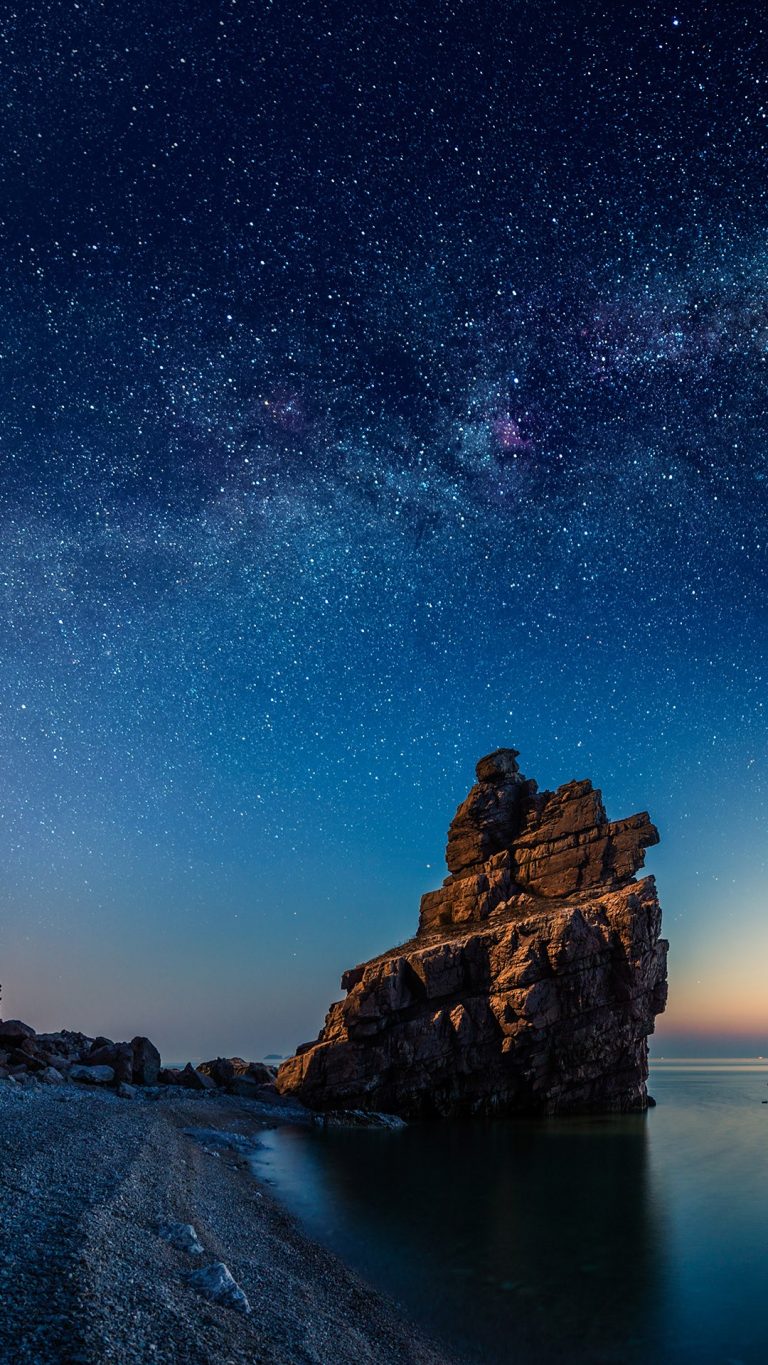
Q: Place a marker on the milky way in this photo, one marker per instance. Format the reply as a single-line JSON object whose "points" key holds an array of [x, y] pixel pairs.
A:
{"points": [[379, 384]]}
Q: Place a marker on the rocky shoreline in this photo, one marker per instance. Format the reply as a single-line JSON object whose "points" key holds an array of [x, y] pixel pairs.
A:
{"points": [[137, 1232], [68, 1056], [103, 1205]]}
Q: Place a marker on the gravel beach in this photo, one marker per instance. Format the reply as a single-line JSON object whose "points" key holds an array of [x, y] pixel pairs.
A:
{"points": [[91, 1188]]}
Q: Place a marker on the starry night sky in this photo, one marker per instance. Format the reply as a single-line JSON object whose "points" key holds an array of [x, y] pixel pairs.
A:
{"points": [[379, 384]]}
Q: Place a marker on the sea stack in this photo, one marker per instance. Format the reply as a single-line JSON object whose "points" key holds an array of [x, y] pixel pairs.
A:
{"points": [[534, 978]]}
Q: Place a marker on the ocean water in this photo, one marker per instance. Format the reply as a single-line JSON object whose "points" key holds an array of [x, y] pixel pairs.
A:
{"points": [[617, 1241]]}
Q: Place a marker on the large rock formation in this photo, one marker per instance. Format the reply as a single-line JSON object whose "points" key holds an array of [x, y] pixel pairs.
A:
{"points": [[532, 982]]}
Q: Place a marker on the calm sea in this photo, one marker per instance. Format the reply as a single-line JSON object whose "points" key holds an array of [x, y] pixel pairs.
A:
{"points": [[611, 1241]]}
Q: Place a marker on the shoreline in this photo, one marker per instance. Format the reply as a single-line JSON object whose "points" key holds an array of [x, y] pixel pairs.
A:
{"points": [[87, 1180]]}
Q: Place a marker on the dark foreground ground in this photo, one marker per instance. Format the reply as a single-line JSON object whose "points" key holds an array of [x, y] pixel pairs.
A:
{"points": [[86, 1180]]}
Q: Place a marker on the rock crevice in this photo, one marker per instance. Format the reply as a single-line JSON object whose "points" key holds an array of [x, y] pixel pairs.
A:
{"points": [[534, 978]]}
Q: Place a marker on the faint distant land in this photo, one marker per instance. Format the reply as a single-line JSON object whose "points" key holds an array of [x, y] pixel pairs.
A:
{"points": [[534, 978]]}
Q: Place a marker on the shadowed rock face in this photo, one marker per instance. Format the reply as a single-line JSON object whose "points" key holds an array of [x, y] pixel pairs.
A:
{"points": [[534, 978]]}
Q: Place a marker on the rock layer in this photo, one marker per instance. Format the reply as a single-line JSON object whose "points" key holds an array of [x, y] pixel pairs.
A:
{"points": [[534, 978]]}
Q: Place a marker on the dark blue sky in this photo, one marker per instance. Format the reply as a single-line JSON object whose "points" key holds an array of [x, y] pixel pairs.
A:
{"points": [[379, 384]]}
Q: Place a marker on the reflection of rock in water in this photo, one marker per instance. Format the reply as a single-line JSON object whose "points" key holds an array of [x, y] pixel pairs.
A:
{"points": [[534, 1242], [534, 978]]}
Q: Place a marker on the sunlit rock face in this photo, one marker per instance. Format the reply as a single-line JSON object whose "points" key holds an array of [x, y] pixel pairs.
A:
{"points": [[534, 978]]}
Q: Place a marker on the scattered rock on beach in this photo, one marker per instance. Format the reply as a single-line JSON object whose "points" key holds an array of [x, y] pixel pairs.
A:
{"points": [[182, 1236], [168, 1075], [146, 1061], [55, 1058], [216, 1282], [249, 1088], [25, 1055], [92, 1075], [222, 1070], [116, 1055], [50, 1076], [217, 1138]]}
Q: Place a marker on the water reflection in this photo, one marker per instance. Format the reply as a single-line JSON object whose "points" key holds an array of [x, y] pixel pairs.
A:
{"points": [[628, 1241], [519, 1242]]}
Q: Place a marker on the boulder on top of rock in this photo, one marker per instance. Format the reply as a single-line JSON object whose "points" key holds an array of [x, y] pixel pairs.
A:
{"points": [[259, 1071], [15, 1031], [92, 1075], [26, 1047], [26, 1057], [66, 1043], [117, 1055], [192, 1079], [491, 815]]}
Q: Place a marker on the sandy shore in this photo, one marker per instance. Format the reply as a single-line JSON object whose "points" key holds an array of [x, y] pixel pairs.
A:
{"points": [[86, 1181]]}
